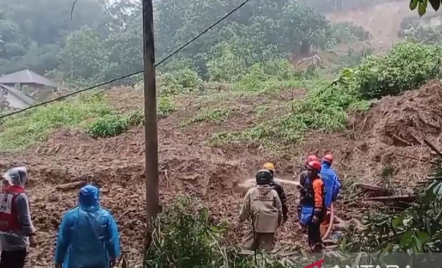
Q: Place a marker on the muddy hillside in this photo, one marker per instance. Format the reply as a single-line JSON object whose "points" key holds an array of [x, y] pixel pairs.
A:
{"points": [[386, 136]]}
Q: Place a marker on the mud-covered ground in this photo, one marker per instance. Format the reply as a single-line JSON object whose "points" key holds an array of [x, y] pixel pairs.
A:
{"points": [[392, 129]]}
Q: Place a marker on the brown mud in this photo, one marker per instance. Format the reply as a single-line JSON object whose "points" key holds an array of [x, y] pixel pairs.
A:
{"points": [[372, 144]]}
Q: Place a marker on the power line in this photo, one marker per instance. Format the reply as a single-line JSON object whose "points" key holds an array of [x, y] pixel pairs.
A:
{"points": [[130, 74]]}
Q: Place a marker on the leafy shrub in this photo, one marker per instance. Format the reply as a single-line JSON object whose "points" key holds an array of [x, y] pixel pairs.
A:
{"points": [[272, 75], [407, 66], [178, 82], [165, 107], [226, 66], [108, 126]]}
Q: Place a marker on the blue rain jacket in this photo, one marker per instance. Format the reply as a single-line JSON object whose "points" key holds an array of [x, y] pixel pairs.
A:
{"points": [[88, 234], [331, 182]]}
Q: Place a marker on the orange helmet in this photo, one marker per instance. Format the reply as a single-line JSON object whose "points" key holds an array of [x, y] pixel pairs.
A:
{"points": [[314, 165], [269, 166], [328, 158], [311, 158]]}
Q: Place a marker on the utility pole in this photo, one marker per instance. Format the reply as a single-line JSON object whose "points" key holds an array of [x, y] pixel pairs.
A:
{"points": [[150, 118]]}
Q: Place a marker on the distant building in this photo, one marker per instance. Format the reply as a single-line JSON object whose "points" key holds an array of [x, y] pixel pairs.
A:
{"points": [[26, 78], [21, 89], [14, 98]]}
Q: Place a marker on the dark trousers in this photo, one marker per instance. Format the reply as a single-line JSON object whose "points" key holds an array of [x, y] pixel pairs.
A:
{"points": [[314, 236], [13, 259]]}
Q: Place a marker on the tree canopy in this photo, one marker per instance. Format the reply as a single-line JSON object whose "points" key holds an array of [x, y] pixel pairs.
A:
{"points": [[104, 39]]}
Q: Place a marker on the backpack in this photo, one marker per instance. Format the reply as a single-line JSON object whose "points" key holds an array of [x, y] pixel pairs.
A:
{"points": [[308, 208]]}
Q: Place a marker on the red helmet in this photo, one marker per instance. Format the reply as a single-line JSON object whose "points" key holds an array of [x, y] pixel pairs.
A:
{"points": [[314, 165], [311, 158], [328, 158]]}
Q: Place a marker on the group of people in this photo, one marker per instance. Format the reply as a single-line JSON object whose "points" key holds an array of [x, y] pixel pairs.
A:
{"points": [[266, 203], [88, 236]]}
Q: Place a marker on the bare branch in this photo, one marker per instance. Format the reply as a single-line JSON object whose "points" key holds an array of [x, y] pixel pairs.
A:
{"points": [[72, 9]]}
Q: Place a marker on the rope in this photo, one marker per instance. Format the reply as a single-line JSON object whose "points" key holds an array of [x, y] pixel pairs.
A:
{"points": [[130, 74]]}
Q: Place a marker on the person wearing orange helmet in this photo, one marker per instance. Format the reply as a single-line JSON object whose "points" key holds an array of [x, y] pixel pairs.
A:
{"points": [[330, 178], [312, 205], [279, 189], [303, 177], [263, 206], [332, 185]]}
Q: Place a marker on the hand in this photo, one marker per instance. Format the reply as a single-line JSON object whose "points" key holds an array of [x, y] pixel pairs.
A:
{"points": [[33, 241], [315, 219], [113, 262], [58, 265]]}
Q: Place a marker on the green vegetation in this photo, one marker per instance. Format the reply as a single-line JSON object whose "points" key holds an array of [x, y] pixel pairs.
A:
{"points": [[114, 124], [185, 236], [88, 112], [165, 107], [321, 110], [23, 130], [417, 229], [215, 115], [347, 31], [407, 66]]}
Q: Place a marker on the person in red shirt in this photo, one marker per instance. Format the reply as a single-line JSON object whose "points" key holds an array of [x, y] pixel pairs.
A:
{"points": [[16, 228]]}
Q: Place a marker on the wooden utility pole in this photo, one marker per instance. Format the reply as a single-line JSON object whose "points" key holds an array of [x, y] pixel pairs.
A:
{"points": [[150, 115]]}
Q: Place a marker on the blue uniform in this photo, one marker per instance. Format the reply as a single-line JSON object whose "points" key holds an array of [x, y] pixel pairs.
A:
{"points": [[88, 234], [331, 182]]}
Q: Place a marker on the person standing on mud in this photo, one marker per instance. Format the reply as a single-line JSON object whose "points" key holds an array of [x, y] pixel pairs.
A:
{"points": [[263, 206], [313, 205], [88, 236], [16, 228], [302, 178], [279, 189]]}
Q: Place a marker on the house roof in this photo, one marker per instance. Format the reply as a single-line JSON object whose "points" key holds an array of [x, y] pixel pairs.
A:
{"points": [[26, 77], [25, 98]]}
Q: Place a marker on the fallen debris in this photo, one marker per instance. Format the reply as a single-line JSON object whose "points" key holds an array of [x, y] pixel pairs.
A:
{"points": [[388, 199], [377, 190], [70, 186]]}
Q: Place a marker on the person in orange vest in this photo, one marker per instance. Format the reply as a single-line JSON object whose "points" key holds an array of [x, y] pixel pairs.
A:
{"points": [[312, 205], [302, 178]]}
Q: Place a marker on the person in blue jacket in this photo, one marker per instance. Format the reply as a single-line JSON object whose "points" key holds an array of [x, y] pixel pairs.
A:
{"points": [[330, 179], [88, 236]]}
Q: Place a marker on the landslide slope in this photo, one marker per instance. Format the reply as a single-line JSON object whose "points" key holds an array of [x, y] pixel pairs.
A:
{"points": [[372, 144]]}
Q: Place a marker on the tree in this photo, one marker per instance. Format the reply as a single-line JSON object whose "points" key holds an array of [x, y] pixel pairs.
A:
{"points": [[82, 57]]}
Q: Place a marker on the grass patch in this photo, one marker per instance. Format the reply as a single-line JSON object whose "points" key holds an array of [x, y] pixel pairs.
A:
{"points": [[23, 130], [322, 110], [216, 115]]}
